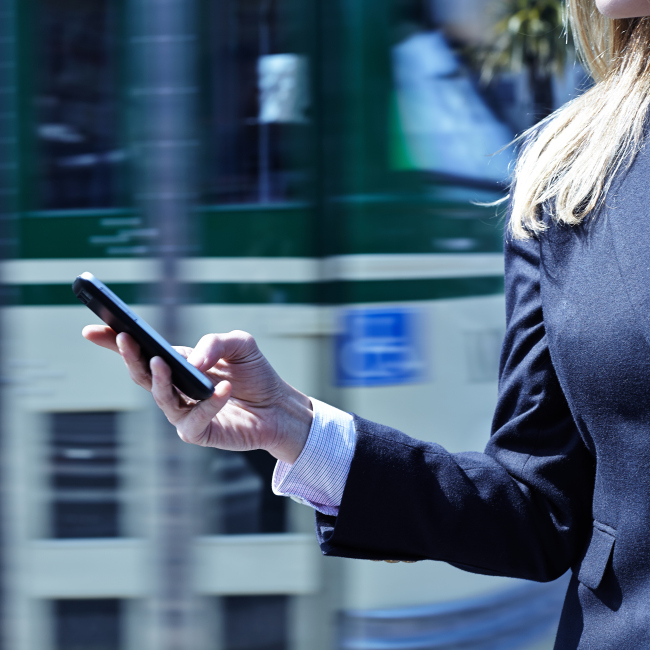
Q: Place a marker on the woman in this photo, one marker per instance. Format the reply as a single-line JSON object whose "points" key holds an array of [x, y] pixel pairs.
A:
{"points": [[564, 481]]}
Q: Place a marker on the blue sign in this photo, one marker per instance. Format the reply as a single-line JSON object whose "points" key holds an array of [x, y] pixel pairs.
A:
{"points": [[380, 347]]}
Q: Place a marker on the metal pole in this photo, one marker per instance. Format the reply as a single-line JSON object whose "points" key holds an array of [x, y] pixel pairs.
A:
{"points": [[8, 130], [8, 215], [264, 156], [163, 38]]}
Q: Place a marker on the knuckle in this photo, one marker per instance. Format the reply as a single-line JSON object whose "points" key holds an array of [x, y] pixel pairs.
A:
{"points": [[209, 345], [136, 370], [208, 340], [158, 399], [244, 338], [138, 374], [139, 380], [160, 396]]}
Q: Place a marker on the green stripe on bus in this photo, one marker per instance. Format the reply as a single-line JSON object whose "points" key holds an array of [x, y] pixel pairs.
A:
{"points": [[364, 227], [248, 293], [256, 231], [418, 227]]}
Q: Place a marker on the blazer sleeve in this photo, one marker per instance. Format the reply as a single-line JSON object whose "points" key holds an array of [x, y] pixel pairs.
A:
{"points": [[522, 508]]}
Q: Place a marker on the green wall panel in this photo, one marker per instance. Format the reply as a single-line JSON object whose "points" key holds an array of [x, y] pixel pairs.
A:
{"points": [[68, 235], [257, 231]]}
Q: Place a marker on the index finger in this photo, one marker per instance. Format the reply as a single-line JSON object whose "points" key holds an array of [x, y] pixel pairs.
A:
{"points": [[234, 346], [101, 335]]}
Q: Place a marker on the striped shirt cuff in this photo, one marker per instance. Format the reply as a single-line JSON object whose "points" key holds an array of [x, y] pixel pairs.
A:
{"points": [[318, 476]]}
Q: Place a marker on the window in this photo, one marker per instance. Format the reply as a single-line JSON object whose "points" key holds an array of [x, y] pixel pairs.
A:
{"points": [[76, 104], [237, 494], [88, 624], [440, 122], [84, 475], [255, 623], [256, 104]]}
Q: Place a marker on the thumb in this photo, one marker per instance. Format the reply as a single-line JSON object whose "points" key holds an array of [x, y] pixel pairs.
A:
{"points": [[199, 418]]}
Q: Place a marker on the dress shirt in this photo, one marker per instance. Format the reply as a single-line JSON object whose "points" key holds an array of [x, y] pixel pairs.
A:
{"points": [[318, 476]]}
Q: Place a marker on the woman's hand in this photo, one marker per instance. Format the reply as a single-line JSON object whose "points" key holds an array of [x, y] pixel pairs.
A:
{"points": [[251, 407]]}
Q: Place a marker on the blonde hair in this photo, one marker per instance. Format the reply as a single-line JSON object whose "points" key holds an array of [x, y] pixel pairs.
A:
{"points": [[570, 159]]}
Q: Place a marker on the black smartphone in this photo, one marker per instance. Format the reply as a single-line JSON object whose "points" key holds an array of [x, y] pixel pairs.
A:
{"points": [[117, 315]]}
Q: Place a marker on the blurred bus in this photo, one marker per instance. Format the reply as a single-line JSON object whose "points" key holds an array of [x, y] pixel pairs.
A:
{"points": [[339, 158]]}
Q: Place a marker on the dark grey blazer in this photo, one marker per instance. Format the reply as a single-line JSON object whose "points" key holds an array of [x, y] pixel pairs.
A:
{"points": [[564, 482]]}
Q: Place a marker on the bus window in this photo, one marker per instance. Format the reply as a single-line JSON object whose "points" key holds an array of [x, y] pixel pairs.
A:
{"points": [[256, 102], [439, 121], [77, 148]]}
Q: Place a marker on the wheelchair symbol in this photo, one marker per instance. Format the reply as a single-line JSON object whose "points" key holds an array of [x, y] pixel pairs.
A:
{"points": [[380, 347]]}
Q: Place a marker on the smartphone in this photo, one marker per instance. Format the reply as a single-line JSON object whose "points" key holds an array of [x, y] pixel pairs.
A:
{"points": [[117, 315]]}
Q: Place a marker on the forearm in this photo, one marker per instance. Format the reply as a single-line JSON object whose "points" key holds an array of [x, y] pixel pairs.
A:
{"points": [[411, 500]]}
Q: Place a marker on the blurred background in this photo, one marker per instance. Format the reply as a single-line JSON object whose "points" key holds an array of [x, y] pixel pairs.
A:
{"points": [[315, 173]]}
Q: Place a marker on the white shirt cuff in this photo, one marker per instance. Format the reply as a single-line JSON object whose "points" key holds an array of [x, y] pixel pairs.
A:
{"points": [[318, 476]]}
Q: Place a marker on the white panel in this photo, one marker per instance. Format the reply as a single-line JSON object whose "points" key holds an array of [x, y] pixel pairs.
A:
{"points": [[413, 266], [116, 568], [370, 585], [257, 564], [50, 367], [202, 269], [249, 269], [300, 320], [262, 269], [65, 271], [86, 568]]}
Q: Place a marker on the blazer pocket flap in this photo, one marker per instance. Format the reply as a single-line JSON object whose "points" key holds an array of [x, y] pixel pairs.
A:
{"points": [[595, 561]]}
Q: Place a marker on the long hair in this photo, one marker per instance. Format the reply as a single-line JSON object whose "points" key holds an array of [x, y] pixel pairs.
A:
{"points": [[570, 159]]}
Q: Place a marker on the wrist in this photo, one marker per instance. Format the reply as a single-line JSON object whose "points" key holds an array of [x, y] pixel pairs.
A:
{"points": [[294, 420]]}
